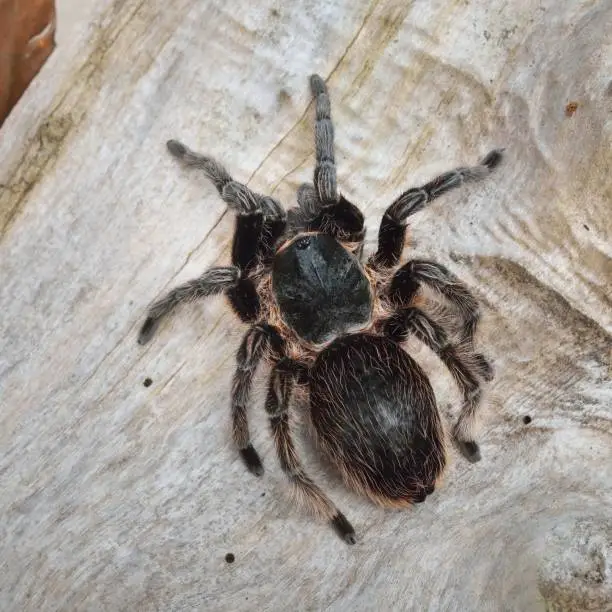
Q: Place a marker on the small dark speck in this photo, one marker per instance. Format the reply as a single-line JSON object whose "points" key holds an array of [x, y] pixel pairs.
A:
{"points": [[147, 382], [229, 558], [274, 12], [571, 108], [507, 33], [283, 97], [486, 34], [586, 227], [526, 419], [263, 494]]}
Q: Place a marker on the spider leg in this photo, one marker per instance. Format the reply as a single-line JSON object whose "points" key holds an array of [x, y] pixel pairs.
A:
{"points": [[260, 221], [300, 217], [325, 180], [308, 201], [392, 232], [257, 342], [343, 221], [212, 282], [335, 214], [461, 363], [406, 282], [277, 407], [236, 195]]}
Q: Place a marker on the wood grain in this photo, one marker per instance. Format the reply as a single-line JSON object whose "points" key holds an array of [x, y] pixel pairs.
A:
{"points": [[117, 496]]}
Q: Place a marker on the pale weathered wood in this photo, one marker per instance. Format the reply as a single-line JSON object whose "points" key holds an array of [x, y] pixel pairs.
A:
{"points": [[114, 496]]}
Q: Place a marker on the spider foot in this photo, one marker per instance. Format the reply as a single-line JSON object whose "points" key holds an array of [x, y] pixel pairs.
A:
{"points": [[251, 460], [343, 528], [469, 449], [493, 158], [148, 329], [317, 85], [176, 148]]}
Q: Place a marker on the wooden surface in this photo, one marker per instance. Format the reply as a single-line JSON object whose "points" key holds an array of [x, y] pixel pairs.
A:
{"points": [[115, 496]]}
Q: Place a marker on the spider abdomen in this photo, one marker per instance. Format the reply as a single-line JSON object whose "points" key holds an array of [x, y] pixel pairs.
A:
{"points": [[375, 414], [320, 288]]}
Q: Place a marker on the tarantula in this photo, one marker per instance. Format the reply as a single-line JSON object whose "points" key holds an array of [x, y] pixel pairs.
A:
{"points": [[333, 325]]}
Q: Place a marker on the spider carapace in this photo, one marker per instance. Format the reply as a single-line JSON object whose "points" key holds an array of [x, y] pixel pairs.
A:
{"points": [[334, 324]]}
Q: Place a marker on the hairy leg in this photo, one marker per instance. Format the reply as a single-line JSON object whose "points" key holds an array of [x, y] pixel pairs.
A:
{"points": [[236, 195], [259, 341], [392, 232], [409, 278], [325, 180], [277, 407], [260, 219], [212, 282], [343, 220], [301, 216], [335, 215], [308, 201], [461, 363]]}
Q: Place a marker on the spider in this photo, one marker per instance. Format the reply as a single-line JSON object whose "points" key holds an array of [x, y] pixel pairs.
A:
{"points": [[331, 324]]}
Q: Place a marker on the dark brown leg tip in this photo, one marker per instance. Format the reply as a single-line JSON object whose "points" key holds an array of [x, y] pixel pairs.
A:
{"points": [[493, 159], [470, 450], [317, 85], [344, 529], [176, 148], [251, 460], [148, 329]]}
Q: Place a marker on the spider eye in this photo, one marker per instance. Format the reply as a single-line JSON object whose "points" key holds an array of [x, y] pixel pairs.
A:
{"points": [[302, 243]]}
